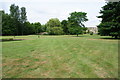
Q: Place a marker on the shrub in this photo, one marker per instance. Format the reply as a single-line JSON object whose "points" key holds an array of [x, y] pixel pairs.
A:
{"points": [[56, 31], [91, 33]]}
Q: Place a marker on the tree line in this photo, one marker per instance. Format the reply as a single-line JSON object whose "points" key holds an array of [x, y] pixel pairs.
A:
{"points": [[16, 23]]}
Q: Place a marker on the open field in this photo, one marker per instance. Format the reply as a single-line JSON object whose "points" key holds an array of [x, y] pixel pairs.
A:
{"points": [[65, 56]]}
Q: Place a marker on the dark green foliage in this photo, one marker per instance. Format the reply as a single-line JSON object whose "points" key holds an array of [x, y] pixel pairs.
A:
{"points": [[110, 24], [109, 29], [64, 25], [28, 29], [78, 17], [43, 28], [74, 29], [15, 22], [15, 14], [75, 22], [23, 18], [91, 33], [23, 15], [37, 27], [84, 29], [8, 27]]}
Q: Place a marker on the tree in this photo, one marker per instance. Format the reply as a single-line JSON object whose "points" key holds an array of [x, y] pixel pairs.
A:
{"points": [[75, 22], [13, 23], [110, 24], [43, 28], [8, 27], [23, 18], [15, 14], [64, 24], [56, 31], [29, 28], [37, 27], [85, 29], [75, 30], [54, 22]]}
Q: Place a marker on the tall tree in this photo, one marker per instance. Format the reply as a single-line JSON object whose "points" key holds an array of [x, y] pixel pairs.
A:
{"points": [[23, 15], [12, 23], [15, 13], [75, 22], [110, 24], [23, 18]]}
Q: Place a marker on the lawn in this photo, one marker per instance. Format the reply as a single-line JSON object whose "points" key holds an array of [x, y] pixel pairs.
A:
{"points": [[68, 56]]}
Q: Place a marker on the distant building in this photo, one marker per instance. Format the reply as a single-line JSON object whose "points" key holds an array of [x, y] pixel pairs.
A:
{"points": [[43, 33], [92, 29]]}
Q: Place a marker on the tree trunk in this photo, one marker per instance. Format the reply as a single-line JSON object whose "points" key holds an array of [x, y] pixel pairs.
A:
{"points": [[22, 29], [77, 35], [116, 37]]}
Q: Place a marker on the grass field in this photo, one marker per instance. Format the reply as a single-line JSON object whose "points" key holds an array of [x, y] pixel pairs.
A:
{"points": [[65, 56]]}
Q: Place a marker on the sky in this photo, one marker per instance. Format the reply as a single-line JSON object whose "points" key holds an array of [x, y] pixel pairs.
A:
{"points": [[43, 10]]}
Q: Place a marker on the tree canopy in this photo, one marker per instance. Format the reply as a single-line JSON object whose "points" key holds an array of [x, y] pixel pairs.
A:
{"points": [[16, 23], [64, 25], [75, 22], [110, 24], [54, 27]]}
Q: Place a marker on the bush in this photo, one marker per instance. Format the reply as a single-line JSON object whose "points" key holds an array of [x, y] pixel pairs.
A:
{"points": [[56, 31], [91, 33]]}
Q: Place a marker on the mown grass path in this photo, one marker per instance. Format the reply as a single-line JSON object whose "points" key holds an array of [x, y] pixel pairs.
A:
{"points": [[60, 57]]}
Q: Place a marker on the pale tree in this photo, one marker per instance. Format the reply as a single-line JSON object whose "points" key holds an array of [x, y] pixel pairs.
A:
{"points": [[52, 25]]}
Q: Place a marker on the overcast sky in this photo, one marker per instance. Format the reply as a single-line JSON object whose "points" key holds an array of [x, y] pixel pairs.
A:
{"points": [[42, 10]]}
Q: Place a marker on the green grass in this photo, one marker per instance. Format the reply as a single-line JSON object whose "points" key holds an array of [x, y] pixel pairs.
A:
{"points": [[65, 56]]}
